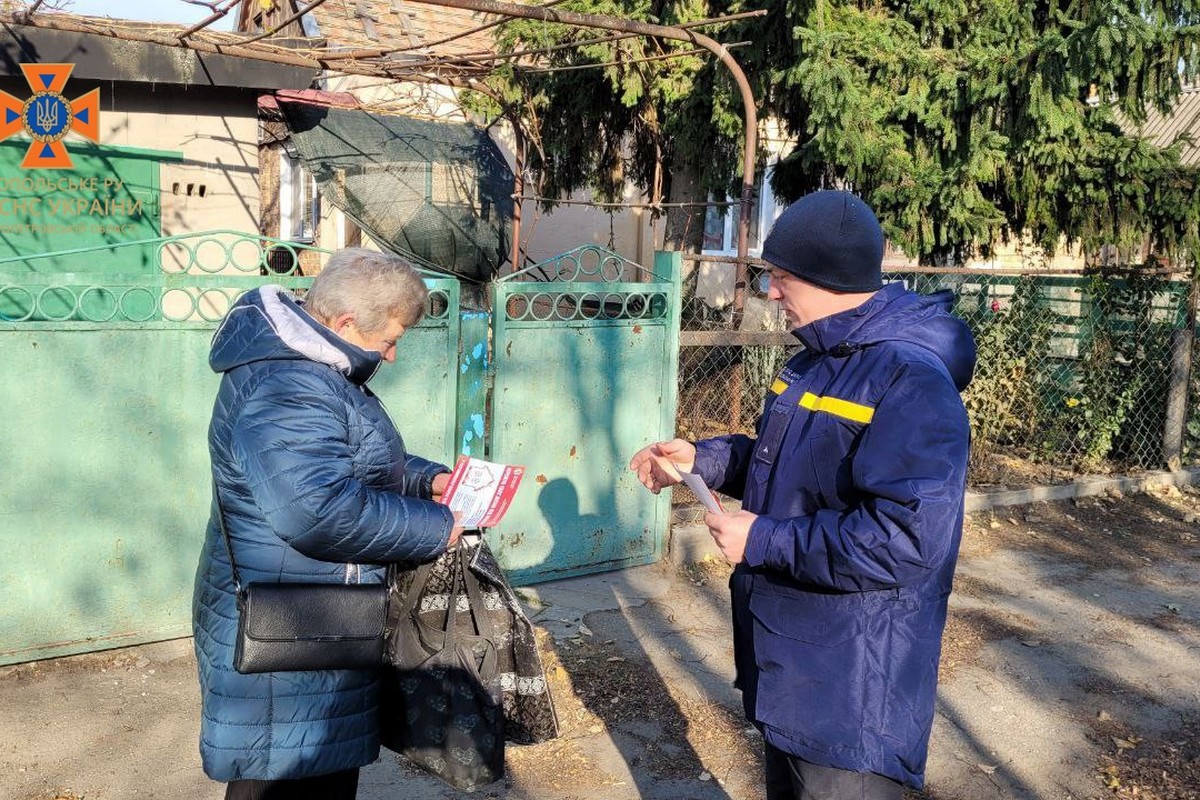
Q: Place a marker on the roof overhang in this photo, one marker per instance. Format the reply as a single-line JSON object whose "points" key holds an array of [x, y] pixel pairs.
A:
{"points": [[105, 58]]}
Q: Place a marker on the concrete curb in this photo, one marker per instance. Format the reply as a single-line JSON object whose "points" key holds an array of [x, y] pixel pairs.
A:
{"points": [[1084, 487], [689, 540], [689, 543]]}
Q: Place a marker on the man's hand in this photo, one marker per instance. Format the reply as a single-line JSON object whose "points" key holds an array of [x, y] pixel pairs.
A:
{"points": [[730, 532], [440, 482], [658, 465]]}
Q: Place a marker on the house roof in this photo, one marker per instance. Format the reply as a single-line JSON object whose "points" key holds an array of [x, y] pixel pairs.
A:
{"points": [[423, 27], [314, 97], [1184, 118], [417, 28], [103, 57]]}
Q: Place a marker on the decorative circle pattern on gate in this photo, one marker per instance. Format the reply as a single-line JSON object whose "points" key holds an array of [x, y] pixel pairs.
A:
{"points": [[587, 284], [187, 279]]}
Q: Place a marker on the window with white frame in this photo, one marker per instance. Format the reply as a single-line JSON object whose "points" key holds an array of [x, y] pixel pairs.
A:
{"points": [[299, 200], [721, 222]]}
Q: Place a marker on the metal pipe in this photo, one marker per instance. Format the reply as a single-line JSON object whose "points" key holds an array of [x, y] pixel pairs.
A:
{"points": [[623, 62], [537, 51], [663, 32], [518, 191]]}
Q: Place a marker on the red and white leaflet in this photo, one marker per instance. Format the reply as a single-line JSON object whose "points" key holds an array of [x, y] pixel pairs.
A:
{"points": [[480, 491]]}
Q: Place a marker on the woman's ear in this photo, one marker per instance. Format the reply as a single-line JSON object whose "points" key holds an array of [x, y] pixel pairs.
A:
{"points": [[340, 323]]}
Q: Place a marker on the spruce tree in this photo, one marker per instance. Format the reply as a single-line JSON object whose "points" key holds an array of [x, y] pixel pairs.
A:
{"points": [[963, 122]]}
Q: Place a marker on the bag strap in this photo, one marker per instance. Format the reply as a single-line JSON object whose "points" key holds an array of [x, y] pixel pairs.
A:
{"points": [[237, 582], [416, 586], [452, 607], [479, 615]]}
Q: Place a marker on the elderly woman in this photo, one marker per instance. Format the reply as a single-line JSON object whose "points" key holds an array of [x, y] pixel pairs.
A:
{"points": [[315, 486]]}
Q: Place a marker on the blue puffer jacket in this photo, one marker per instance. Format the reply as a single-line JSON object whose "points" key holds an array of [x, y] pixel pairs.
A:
{"points": [[316, 487], [858, 472]]}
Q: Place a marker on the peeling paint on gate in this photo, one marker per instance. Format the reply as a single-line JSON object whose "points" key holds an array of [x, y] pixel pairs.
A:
{"points": [[584, 376]]}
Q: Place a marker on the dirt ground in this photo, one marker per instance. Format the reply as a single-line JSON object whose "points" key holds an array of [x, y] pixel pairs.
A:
{"points": [[1071, 669], [1093, 605], [1071, 664]]}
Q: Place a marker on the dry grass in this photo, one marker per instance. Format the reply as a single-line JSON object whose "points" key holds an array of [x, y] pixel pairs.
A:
{"points": [[599, 691]]}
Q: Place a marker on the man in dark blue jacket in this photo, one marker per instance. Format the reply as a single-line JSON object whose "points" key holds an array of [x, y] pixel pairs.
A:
{"points": [[852, 508]]}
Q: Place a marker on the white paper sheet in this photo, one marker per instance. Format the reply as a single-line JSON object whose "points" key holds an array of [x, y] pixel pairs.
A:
{"points": [[705, 495]]}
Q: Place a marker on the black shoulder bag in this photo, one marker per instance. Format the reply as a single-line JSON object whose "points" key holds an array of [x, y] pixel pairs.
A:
{"points": [[289, 627]]}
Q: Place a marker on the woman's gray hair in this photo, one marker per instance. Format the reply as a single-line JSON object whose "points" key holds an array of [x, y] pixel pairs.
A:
{"points": [[375, 287]]}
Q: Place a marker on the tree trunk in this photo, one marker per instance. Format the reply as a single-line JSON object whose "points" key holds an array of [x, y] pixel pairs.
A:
{"points": [[1175, 429], [685, 226]]}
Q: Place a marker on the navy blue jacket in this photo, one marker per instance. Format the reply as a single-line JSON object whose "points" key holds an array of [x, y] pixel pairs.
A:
{"points": [[316, 487], [857, 473]]}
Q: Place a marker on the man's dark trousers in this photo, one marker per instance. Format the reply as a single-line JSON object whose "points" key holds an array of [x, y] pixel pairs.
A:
{"points": [[792, 778]]}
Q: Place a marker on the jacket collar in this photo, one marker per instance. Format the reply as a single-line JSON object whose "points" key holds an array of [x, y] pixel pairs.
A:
{"points": [[300, 331], [836, 333]]}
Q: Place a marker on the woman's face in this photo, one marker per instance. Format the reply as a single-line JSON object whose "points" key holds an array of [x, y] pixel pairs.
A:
{"points": [[382, 341]]}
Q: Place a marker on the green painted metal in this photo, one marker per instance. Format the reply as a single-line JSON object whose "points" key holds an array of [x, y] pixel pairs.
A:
{"points": [[110, 196], [107, 492], [107, 489], [584, 376], [419, 389], [472, 382]]}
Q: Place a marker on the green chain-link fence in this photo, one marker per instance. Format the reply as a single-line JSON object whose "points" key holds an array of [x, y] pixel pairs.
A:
{"points": [[1076, 375]]}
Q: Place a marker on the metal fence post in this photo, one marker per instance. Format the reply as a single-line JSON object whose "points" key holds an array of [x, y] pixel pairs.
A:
{"points": [[471, 403]]}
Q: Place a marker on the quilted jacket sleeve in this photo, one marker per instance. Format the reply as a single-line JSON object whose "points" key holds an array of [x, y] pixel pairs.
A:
{"points": [[910, 475], [418, 476], [292, 441], [722, 462]]}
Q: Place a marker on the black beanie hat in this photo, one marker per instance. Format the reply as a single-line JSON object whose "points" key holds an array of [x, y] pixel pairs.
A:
{"points": [[829, 238]]}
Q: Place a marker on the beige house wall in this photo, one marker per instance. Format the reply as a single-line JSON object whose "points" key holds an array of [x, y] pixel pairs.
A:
{"points": [[630, 233], [1024, 256], [217, 132]]}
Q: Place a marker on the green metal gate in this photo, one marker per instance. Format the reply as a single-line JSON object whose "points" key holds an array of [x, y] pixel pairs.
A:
{"points": [[585, 352], [107, 395]]}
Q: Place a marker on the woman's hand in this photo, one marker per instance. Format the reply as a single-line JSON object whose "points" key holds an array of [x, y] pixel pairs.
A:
{"points": [[438, 488], [658, 465], [456, 532]]}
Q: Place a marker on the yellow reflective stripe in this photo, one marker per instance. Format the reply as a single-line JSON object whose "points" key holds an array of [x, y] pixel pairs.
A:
{"points": [[778, 387], [839, 408]]}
